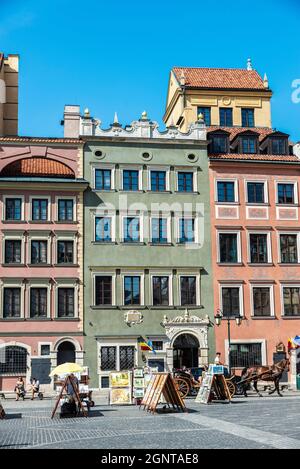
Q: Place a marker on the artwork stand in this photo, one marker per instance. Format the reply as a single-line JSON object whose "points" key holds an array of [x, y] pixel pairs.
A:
{"points": [[76, 396], [162, 384], [214, 387], [2, 413]]}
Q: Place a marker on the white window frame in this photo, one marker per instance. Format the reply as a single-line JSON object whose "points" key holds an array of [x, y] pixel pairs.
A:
{"points": [[40, 349], [65, 236], [67, 197], [287, 285], [269, 245], [266, 195], [239, 249], [129, 167], [169, 225], [271, 289], [13, 283], [65, 284], [241, 299], [104, 166], [166, 169], [129, 273], [122, 342], [297, 233], [39, 284], [104, 214], [284, 181], [129, 214], [39, 237], [189, 274], [14, 236], [162, 274], [236, 190], [49, 207], [187, 169], [248, 341], [6, 196], [102, 273], [195, 217]]}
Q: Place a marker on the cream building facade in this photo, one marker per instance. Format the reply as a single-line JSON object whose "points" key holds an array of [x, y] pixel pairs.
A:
{"points": [[9, 77]]}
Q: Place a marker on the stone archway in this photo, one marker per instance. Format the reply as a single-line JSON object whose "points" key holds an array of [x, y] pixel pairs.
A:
{"points": [[66, 353], [185, 351], [190, 325]]}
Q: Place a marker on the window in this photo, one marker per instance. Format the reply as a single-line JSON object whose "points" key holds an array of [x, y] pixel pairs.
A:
{"points": [[157, 344], [248, 144], [228, 247], [65, 253], [245, 355], [185, 181], [65, 209], [131, 229], [13, 360], [160, 287], [261, 301], [40, 209], [126, 357], [226, 117], [158, 180], [286, 193], [288, 248], [39, 252], [103, 287], [205, 111], [12, 303], [291, 301], [45, 350], [159, 230], [132, 290], [219, 144], [13, 250], [108, 358], [226, 191], [66, 308], [13, 209], [188, 290], [130, 180], [231, 301], [278, 146], [38, 302], [247, 117], [258, 248], [256, 192], [103, 229], [103, 179], [186, 230]]}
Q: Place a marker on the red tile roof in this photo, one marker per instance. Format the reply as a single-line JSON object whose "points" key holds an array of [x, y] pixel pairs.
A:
{"points": [[76, 141], [37, 167], [220, 78], [235, 131], [255, 157]]}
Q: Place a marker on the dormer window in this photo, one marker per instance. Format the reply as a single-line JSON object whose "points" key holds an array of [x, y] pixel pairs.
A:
{"points": [[219, 144], [248, 144], [278, 146]]}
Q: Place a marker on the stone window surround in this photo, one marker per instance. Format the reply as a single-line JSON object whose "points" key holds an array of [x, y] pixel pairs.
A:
{"points": [[131, 167], [13, 235], [271, 289], [67, 283], [13, 283], [40, 347], [39, 236], [263, 343], [269, 245], [98, 213], [4, 197], [131, 214], [66, 197], [49, 207], [195, 217], [103, 273], [232, 285], [65, 236], [286, 232], [285, 284], [198, 290], [161, 274], [286, 181], [104, 166], [186, 169], [236, 190], [164, 168], [130, 273], [113, 342], [266, 194], [239, 250], [167, 217]]}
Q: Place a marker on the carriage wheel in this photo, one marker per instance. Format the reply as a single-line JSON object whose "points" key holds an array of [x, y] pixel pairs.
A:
{"points": [[231, 388], [182, 387]]}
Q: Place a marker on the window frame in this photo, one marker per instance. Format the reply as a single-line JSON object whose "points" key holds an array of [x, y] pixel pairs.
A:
{"points": [[4, 198], [186, 169], [271, 296], [75, 287], [206, 108], [104, 166], [111, 274], [138, 168], [35, 236], [142, 287], [49, 208], [13, 283], [67, 197], [241, 299], [13, 237], [239, 249], [288, 233], [231, 117], [269, 246], [48, 296], [287, 285], [295, 184], [67, 237], [165, 169], [257, 181], [129, 214], [243, 124], [168, 219], [197, 283], [161, 274], [236, 190]]}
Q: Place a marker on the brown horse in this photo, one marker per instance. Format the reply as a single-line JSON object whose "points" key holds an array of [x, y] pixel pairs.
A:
{"points": [[264, 373]]}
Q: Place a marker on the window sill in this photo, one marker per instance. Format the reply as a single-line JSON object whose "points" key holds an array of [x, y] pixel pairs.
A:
{"points": [[13, 265], [65, 222], [160, 244], [161, 307], [66, 264], [12, 319], [227, 203], [131, 307], [132, 243], [290, 317], [128, 191], [289, 264], [230, 264], [287, 205], [105, 191], [38, 319], [261, 318], [261, 264], [257, 204], [149, 191], [40, 222], [15, 222], [93, 307], [66, 319], [39, 265], [187, 192], [109, 243]]}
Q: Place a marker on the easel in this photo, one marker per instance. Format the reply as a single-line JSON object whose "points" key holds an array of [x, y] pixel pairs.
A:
{"points": [[69, 380], [2, 413], [213, 385], [162, 384]]}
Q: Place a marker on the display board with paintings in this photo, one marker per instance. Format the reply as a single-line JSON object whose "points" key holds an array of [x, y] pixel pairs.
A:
{"points": [[162, 386], [121, 388], [213, 387]]}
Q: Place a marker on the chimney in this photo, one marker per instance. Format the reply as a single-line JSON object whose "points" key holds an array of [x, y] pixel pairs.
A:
{"points": [[71, 121], [9, 77]]}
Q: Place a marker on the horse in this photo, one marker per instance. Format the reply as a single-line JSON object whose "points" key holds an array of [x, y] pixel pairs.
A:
{"points": [[264, 373]]}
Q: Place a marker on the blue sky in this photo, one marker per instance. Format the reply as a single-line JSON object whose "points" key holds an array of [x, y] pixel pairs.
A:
{"points": [[116, 55]]}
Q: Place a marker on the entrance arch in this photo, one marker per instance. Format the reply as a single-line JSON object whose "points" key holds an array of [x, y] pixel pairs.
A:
{"points": [[186, 351], [66, 353]]}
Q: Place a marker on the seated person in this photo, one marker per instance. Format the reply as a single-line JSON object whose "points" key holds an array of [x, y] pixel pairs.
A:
{"points": [[20, 389], [35, 387]]}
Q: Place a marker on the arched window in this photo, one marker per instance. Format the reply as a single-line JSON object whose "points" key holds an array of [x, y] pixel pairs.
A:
{"points": [[13, 360]]}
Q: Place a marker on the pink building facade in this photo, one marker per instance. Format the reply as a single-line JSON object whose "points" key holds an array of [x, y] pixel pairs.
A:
{"points": [[41, 277], [256, 252]]}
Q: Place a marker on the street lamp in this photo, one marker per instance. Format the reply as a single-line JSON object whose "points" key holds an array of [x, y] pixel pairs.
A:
{"points": [[218, 319]]}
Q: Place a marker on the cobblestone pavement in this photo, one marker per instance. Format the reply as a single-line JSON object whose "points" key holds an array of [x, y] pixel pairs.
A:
{"points": [[269, 422]]}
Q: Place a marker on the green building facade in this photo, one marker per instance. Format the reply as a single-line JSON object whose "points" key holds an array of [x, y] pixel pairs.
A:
{"points": [[147, 266]]}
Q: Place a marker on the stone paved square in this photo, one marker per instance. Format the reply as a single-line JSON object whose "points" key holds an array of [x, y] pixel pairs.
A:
{"points": [[268, 422]]}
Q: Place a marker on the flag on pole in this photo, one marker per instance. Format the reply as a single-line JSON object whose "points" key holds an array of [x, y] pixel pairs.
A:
{"points": [[146, 345]]}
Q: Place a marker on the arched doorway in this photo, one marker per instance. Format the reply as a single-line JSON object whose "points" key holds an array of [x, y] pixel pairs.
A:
{"points": [[65, 353], [186, 351]]}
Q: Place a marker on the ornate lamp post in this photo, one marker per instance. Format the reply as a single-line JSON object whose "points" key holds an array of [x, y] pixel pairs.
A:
{"points": [[218, 319]]}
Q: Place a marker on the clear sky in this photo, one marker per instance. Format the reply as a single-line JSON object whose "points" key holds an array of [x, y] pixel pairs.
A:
{"points": [[116, 55]]}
